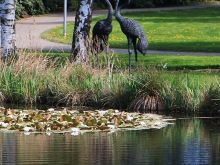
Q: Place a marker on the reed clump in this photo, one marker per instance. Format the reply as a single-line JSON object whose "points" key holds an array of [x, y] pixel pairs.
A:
{"points": [[37, 79]]}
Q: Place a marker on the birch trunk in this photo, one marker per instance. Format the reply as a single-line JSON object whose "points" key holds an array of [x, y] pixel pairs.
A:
{"points": [[80, 42], [7, 17]]}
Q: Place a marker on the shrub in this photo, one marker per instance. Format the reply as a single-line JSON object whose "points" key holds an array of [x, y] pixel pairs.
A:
{"points": [[26, 7]]}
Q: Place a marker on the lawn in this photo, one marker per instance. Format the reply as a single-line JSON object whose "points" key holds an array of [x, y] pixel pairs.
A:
{"points": [[169, 62], [174, 30]]}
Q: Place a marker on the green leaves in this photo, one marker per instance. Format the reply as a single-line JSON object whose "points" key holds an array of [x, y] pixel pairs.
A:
{"points": [[64, 121]]}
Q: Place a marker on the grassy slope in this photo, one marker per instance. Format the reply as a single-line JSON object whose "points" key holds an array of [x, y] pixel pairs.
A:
{"points": [[175, 30], [172, 62]]}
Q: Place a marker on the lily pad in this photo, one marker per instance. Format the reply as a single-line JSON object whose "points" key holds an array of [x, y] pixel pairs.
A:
{"points": [[53, 121]]}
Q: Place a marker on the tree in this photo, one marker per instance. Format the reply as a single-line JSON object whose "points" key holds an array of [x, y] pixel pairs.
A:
{"points": [[80, 41], [7, 17]]}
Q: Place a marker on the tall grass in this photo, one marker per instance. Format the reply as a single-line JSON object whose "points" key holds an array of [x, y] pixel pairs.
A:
{"points": [[35, 79]]}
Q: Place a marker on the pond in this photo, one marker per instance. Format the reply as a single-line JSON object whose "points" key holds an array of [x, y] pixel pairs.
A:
{"points": [[188, 141]]}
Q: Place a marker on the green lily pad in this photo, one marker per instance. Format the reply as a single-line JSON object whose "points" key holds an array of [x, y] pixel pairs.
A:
{"points": [[65, 118]]}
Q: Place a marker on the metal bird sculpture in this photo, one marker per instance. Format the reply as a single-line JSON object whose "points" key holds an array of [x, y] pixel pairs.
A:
{"points": [[133, 31], [101, 31]]}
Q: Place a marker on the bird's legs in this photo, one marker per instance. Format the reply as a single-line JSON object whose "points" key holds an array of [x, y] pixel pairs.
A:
{"points": [[134, 41], [105, 40], [97, 48], [129, 52]]}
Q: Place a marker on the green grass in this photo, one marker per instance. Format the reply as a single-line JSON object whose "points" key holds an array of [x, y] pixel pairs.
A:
{"points": [[170, 62], [37, 79], [174, 30], [178, 62]]}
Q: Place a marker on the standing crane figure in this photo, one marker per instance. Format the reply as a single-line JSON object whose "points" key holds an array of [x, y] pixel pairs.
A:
{"points": [[101, 31], [133, 30]]}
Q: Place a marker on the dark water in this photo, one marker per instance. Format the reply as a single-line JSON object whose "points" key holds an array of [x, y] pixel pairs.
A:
{"points": [[188, 141]]}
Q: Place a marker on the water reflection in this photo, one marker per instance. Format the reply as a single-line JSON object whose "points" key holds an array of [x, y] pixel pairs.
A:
{"points": [[189, 141]]}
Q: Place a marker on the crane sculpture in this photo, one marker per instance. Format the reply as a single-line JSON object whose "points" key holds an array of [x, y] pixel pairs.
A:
{"points": [[101, 31], [133, 31]]}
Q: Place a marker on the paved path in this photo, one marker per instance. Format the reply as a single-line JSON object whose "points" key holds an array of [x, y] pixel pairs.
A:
{"points": [[28, 30]]}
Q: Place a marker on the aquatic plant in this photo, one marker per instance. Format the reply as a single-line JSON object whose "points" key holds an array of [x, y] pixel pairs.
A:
{"points": [[61, 121]]}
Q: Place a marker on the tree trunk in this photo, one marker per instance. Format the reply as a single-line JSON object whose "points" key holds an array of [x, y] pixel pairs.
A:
{"points": [[8, 38], [80, 42]]}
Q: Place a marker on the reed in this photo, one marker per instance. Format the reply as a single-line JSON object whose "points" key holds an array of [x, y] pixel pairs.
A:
{"points": [[182, 93], [33, 79]]}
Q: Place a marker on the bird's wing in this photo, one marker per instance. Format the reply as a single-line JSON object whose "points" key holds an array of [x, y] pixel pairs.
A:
{"points": [[131, 27]]}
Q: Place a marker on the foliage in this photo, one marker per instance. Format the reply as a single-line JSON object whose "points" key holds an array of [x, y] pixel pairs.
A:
{"points": [[33, 79], [26, 7], [37, 7], [52, 121], [57, 5]]}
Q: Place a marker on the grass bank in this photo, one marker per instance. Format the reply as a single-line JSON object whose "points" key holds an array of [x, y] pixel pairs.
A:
{"points": [[34, 79], [183, 63], [173, 30]]}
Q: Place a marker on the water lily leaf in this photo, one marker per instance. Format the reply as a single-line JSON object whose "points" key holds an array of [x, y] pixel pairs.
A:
{"points": [[110, 111], [8, 120], [30, 111], [75, 123], [65, 118], [120, 121], [2, 114], [82, 125], [87, 113], [22, 124], [91, 122], [104, 120], [37, 117], [39, 127], [12, 127]]}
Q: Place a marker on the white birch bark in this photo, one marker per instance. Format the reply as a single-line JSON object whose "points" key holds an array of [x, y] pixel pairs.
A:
{"points": [[80, 43], [7, 17]]}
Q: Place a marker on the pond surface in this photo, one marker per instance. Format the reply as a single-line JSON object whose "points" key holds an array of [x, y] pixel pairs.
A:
{"points": [[188, 141]]}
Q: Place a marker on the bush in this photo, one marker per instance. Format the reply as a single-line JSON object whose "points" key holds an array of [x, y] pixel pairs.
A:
{"points": [[37, 7], [26, 7], [162, 3], [54, 5]]}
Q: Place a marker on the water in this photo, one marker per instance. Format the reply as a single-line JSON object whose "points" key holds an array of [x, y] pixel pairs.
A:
{"points": [[188, 141]]}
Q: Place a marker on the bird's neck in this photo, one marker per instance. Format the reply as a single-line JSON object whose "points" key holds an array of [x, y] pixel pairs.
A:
{"points": [[118, 9], [110, 11]]}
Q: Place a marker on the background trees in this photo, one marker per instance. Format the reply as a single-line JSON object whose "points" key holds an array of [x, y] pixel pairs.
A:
{"points": [[35, 7]]}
